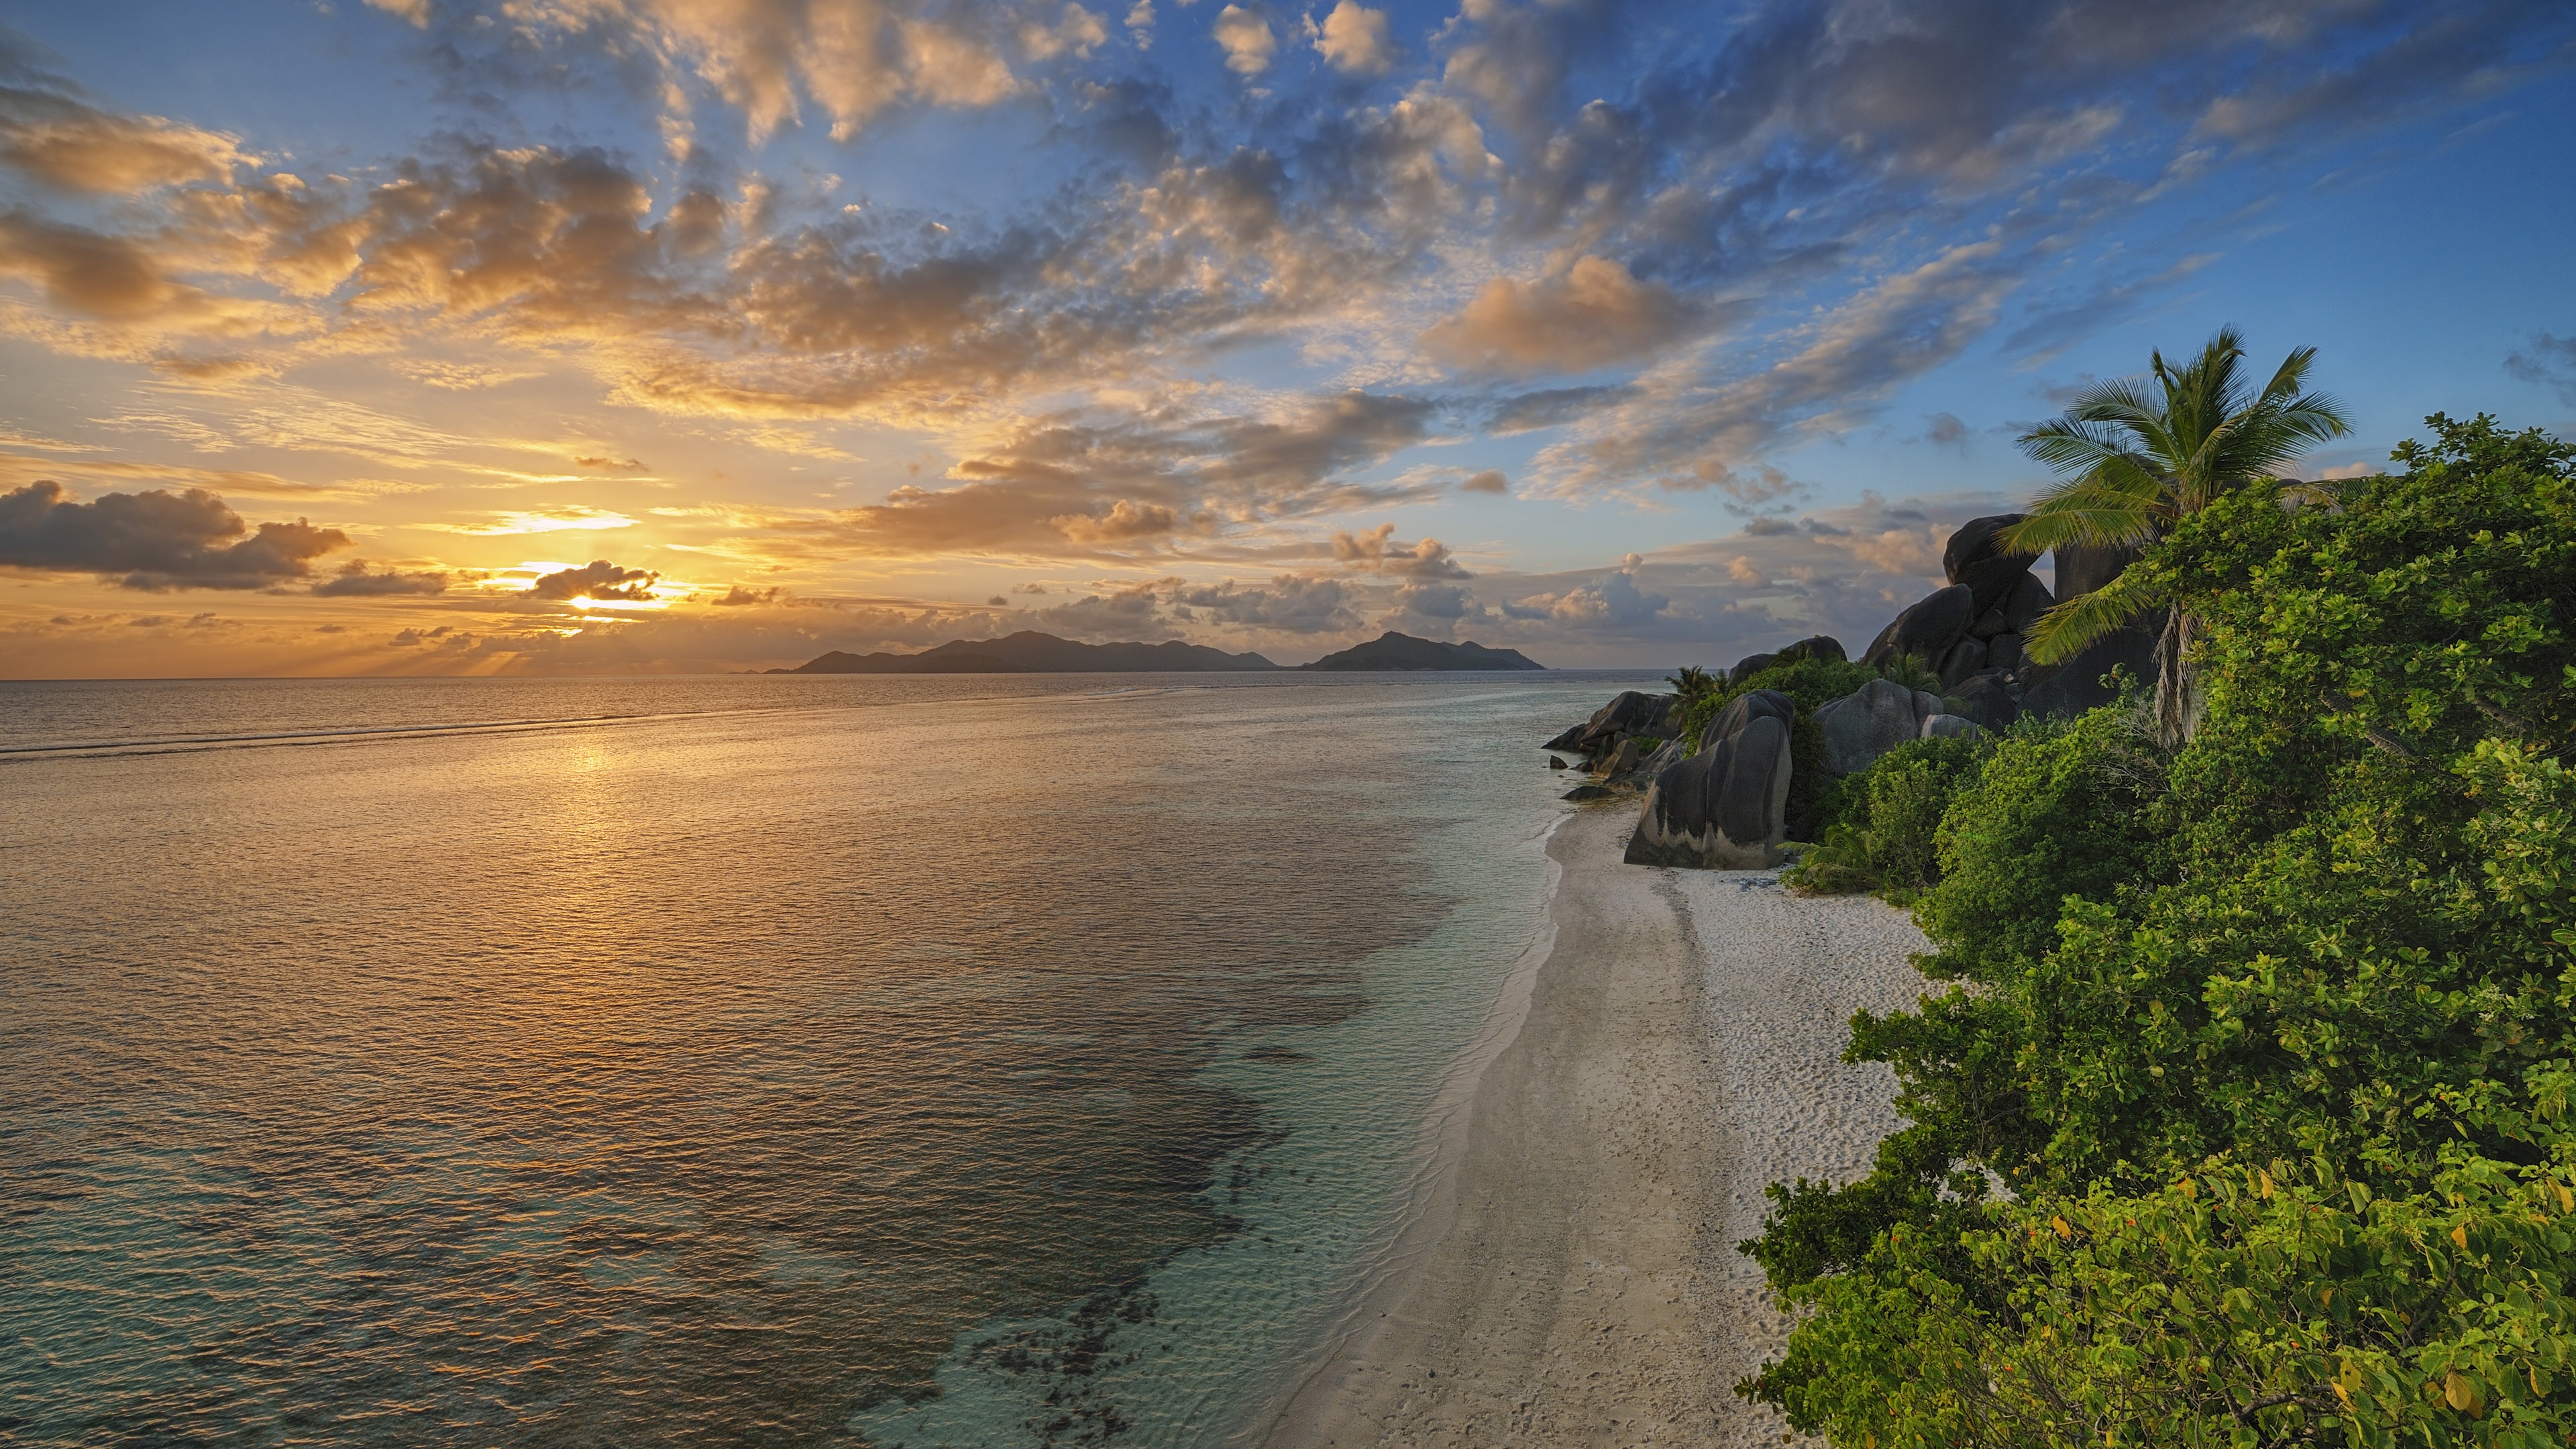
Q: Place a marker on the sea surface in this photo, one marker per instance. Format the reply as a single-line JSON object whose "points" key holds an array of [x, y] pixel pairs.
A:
{"points": [[972, 1061]]}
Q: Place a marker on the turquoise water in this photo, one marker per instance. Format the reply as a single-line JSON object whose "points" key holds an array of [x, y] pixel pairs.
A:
{"points": [[968, 1061]]}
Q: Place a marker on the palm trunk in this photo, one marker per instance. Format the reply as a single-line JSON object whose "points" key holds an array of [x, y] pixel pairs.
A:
{"points": [[2177, 692]]}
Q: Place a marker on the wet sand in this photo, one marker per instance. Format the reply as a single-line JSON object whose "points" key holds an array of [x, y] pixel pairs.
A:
{"points": [[1573, 1279]]}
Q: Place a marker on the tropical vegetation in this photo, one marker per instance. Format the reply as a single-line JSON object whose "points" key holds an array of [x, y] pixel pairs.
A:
{"points": [[2141, 455], [2243, 1111]]}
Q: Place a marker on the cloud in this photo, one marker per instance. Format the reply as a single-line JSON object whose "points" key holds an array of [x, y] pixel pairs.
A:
{"points": [[2550, 362], [736, 596], [1075, 32], [1124, 486], [155, 541], [1945, 430], [1613, 599], [355, 582], [598, 579], [561, 518], [1434, 601], [1126, 521], [852, 59], [1291, 603], [1377, 551], [49, 133], [1127, 612], [1490, 480], [1353, 39], [1246, 39], [1687, 431], [450, 376], [1592, 315]]}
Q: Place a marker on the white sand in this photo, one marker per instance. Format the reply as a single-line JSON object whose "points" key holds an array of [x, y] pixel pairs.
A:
{"points": [[1574, 1278]]}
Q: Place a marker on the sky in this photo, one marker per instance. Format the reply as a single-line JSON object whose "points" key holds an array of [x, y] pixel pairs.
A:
{"points": [[384, 337]]}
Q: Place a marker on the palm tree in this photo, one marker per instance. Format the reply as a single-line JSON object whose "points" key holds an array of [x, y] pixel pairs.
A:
{"points": [[2137, 455]]}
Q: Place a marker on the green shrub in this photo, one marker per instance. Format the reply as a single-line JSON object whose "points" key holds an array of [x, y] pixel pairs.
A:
{"points": [[1808, 682], [2058, 810], [1912, 671], [2239, 1304], [1887, 841], [2334, 934]]}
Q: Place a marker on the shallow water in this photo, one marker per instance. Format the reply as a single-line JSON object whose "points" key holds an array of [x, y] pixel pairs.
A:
{"points": [[973, 1061]]}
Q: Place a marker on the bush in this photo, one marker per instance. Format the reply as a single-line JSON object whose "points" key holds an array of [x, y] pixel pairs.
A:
{"points": [[1808, 682], [2058, 810], [2272, 1038], [1892, 811]]}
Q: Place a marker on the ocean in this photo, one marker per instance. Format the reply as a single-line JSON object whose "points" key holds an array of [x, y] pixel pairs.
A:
{"points": [[967, 1061]]}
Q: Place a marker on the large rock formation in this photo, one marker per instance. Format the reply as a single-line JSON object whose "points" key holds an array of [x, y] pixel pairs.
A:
{"points": [[1975, 557], [2069, 688], [2082, 568], [1858, 728], [1744, 709], [1818, 646], [2020, 609], [1987, 698], [1631, 714], [1724, 808], [1927, 628]]}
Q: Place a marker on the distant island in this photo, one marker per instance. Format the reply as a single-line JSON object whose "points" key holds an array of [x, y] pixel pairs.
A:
{"points": [[1391, 650], [1029, 652]]}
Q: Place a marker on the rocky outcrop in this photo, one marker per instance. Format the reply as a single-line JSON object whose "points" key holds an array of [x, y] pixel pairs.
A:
{"points": [[1927, 628], [1819, 646], [1744, 709], [1633, 714], [1858, 728], [1724, 808], [1724, 804], [2029, 599], [1965, 658], [1975, 559], [2082, 568], [1815, 646], [1670, 753], [1990, 699], [2067, 689], [1749, 666]]}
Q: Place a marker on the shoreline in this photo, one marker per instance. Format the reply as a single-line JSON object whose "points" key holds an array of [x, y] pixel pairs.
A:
{"points": [[1571, 1273]]}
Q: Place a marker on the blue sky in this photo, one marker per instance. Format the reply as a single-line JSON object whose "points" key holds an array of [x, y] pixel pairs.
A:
{"points": [[611, 335]]}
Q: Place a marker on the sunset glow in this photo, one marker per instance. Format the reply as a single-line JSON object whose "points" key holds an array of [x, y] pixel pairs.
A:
{"points": [[1593, 329]]}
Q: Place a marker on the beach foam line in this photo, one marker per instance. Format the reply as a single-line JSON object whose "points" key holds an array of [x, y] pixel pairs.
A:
{"points": [[1575, 1279], [1430, 1204]]}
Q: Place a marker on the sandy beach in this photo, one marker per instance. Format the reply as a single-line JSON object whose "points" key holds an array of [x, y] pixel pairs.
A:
{"points": [[1573, 1279]]}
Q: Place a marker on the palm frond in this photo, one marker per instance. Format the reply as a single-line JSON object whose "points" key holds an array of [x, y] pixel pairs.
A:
{"points": [[2289, 377], [2272, 433], [2106, 509], [2126, 401], [2072, 446], [2064, 631]]}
